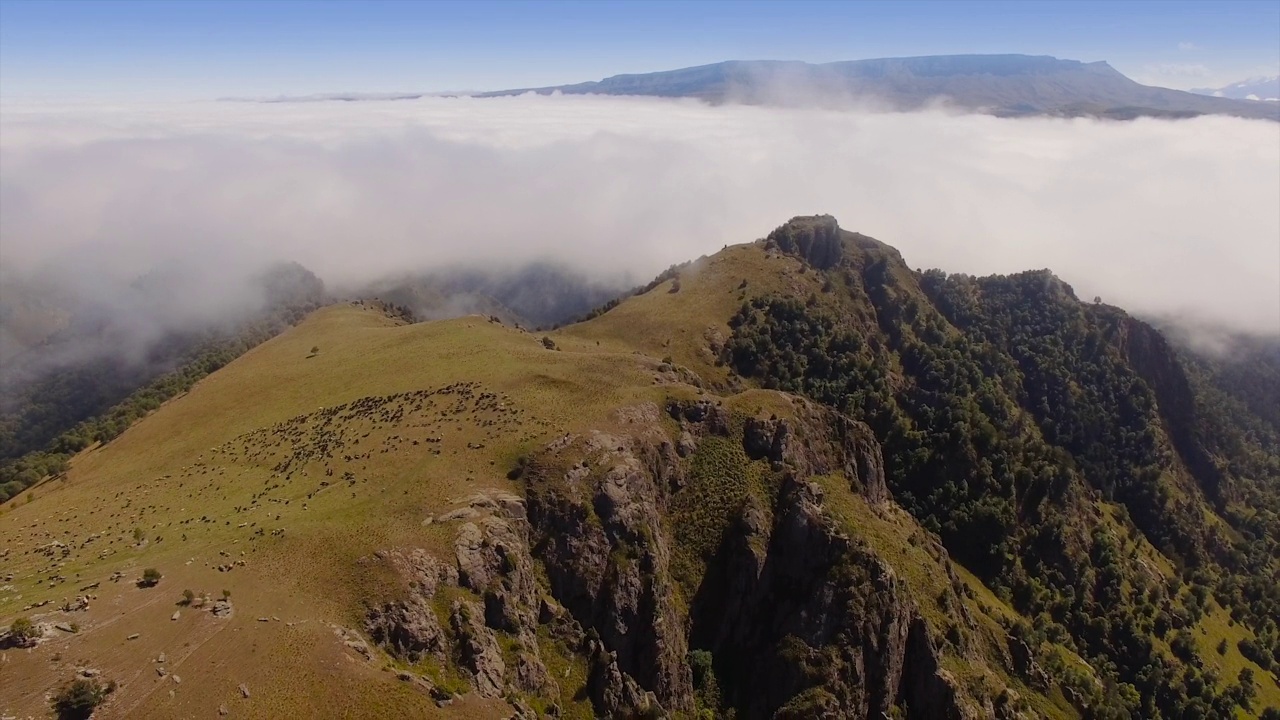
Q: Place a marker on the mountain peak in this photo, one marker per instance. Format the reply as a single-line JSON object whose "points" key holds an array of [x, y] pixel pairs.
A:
{"points": [[816, 239]]}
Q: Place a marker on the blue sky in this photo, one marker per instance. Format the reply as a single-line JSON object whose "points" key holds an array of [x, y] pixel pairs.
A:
{"points": [[129, 50]]}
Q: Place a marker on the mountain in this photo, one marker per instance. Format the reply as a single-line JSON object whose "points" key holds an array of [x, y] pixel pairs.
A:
{"points": [[1260, 88], [794, 479], [78, 372], [1004, 85]]}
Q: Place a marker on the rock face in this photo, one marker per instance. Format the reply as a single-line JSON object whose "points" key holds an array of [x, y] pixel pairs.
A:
{"points": [[831, 443], [410, 628], [492, 560], [1156, 363], [598, 530], [805, 607], [478, 650], [801, 620], [815, 239], [791, 605]]}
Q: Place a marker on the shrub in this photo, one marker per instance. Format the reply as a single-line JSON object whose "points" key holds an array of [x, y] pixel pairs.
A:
{"points": [[188, 597], [23, 632], [77, 700], [226, 594], [548, 343], [150, 577]]}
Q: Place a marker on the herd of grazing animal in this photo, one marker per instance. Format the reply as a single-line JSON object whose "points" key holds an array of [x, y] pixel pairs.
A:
{"points": [[218, 495]]}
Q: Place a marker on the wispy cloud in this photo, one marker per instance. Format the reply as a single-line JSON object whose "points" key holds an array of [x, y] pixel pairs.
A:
{"points": [[1188, 47], [1156, 216]]}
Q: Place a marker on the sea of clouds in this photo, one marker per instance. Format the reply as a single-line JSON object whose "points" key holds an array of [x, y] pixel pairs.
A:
{"points": [[1157, 216]]}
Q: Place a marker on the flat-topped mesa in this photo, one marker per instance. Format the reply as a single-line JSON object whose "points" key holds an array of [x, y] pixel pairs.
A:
{"points": [[816, 239]]}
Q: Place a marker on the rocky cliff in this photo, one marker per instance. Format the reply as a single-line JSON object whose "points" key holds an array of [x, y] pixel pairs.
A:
{"points": [[798, 618]]}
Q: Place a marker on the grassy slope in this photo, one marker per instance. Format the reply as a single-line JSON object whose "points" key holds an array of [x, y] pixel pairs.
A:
{"points": [[190, 460]]}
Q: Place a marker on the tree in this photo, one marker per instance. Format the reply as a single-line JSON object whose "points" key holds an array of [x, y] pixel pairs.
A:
{"points": [[187, 597], [1248, 691], [150, 577], [548, 343], [315, 349], [1222, 646], [77, 700]]}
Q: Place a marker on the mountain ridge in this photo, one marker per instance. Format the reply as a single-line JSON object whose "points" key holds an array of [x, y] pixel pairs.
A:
{"points": [[792, 479], [1006, 85]]}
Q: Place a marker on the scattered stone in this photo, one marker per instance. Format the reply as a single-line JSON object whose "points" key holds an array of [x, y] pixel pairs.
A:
{"points": [[177, 680], [89, 672], [264, 619], [161, 672], [161, 658], [134, 636], [244, 690], [222, 608], [176, 614], [222, 710], [64, 627]]}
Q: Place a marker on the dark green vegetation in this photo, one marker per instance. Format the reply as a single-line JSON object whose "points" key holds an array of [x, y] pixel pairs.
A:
{"points": [[78, 699], [22, 632], [1006, 85], [1048, 441]]}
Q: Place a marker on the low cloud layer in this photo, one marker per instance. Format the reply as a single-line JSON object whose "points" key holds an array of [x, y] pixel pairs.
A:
{"points": [[1160, 217]]}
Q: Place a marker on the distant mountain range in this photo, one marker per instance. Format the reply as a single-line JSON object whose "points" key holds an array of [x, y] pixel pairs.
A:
{"points": [[1266, 89], [1003, 85]]}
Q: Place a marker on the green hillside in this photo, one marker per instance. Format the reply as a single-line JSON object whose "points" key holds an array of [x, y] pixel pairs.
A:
{"points": [[794, 479]]}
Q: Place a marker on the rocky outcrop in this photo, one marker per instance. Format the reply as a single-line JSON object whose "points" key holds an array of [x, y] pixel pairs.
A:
{"points": [[613, 692], [808, 608], [815, 239], [410, 628], [478, 651], [801, 619], [830, 443], [598, 530], [492, 560], [797, 614]]}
